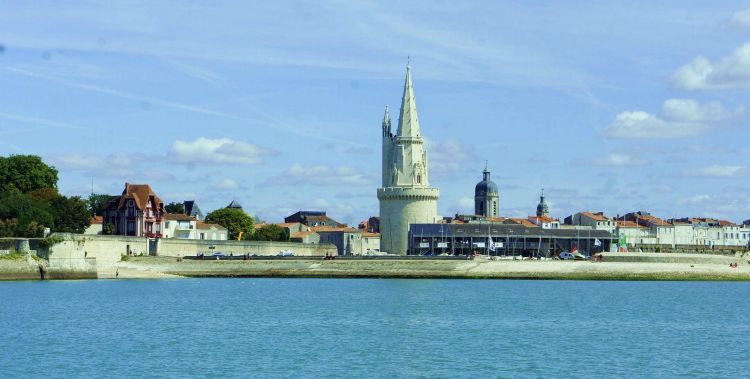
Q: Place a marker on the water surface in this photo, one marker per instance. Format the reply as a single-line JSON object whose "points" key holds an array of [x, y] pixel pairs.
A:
{"points": [[373, 328]]}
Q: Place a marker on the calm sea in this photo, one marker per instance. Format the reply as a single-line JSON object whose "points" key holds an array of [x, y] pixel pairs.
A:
{"points": [[373, 328]]}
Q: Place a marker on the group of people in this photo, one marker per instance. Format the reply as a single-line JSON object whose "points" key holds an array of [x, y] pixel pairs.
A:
{"points": [[328, 257]]}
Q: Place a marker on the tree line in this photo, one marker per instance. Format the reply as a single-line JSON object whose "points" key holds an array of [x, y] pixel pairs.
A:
{"points": [[30, 203]]}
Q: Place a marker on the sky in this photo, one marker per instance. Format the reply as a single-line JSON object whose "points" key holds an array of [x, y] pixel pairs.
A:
{"points": [[614, 106]]}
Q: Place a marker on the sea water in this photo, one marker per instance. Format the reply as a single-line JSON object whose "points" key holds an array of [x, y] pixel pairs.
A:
{"points": [[355, 328]]}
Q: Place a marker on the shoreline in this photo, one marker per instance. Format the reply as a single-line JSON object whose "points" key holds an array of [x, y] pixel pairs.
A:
{"points": [[708, 268]]}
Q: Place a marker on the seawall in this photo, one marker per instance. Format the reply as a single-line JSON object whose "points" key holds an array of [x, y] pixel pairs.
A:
{"points": [[78, 256], [437, 268]]}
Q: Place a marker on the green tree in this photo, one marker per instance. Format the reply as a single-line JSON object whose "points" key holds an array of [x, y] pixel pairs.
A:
{"points": [[270, 232], [175, 208], [29, 216], [71, 214], [26, 173], [235, 220], [96, 203], [108, 229]]}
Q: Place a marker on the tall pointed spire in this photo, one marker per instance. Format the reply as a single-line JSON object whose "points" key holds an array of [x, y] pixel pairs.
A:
{"points": [[408, 123]]}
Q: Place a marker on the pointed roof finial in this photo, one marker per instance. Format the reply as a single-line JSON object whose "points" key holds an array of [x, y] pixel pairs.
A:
{"points": [[486, 164], [408, 122], [408, 62]]}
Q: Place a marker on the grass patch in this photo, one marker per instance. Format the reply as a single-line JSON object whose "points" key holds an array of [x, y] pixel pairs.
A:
{"points": [[12, 256], [50, 241], [124, 257]]}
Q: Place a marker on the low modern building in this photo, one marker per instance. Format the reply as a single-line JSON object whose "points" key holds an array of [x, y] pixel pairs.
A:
{"points": [[504, 239], [596, 220], [208, 231], [180, 226], [137, 212], [96, 226], [545, 222]]}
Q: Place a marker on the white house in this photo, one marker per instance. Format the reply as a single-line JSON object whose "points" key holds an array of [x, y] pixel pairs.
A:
{"points": [[545, 222]]}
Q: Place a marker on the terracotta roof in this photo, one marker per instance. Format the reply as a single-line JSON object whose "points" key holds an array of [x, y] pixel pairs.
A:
{"points": [[520, 221], [595, 216], [726, 223], [628, 224], [97, 220], [206, 225], [301, 234], [371, 235], [140, 194], [288, 224], [542, 219], [655, 221], [178, 217], [333, 230]]}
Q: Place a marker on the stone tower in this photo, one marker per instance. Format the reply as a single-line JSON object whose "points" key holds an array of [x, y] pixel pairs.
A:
{"points": [[405, 197], [542, 210], [486, 197]]}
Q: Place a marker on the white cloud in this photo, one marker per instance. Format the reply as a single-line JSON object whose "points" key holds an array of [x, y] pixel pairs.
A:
{"points": [[228, 184], [678, 118], [322, 175], [204, 151], [119, 165], [697, 199], [620, 160], [447, 156], [718, 171], [740, 19], [730, 72]]}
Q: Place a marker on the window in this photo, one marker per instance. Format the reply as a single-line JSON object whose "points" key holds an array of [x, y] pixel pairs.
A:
{"points": [[158, 228], [131, 227], [419, 179]]}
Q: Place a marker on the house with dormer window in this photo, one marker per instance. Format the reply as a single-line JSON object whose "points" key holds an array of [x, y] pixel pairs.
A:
{"points": [[138, 212]]}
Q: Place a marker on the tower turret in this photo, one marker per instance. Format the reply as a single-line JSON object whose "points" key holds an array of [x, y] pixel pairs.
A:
{"points": [[542, 210], [486, 196]]}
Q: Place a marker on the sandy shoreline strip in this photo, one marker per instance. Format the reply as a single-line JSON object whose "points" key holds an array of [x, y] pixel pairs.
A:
{"points": [[570, 270]]}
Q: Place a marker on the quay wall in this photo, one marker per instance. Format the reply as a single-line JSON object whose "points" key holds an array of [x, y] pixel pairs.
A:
{"points": [[177, 247], [673, 258], [79, 254], [18, 269]]}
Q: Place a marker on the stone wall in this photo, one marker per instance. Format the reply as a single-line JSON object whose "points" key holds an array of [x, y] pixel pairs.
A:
{"points": [[175, 247], [82, 253]]}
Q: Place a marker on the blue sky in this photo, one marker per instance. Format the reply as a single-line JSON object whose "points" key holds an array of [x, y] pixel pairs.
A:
{"points": [[613, 106]]}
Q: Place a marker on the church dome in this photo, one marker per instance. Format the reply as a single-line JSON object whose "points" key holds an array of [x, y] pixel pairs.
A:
{"points": [[486, 186]]}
